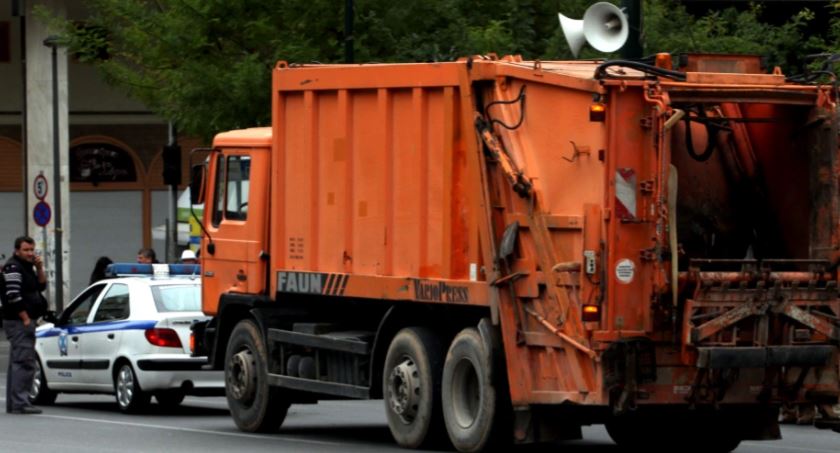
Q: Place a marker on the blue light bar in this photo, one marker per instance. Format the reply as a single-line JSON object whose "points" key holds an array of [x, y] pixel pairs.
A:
{"points": [[152, 270]]}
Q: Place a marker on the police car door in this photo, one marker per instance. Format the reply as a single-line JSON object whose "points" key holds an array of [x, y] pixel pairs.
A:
{"points": [[104, 334], [60, 347]]}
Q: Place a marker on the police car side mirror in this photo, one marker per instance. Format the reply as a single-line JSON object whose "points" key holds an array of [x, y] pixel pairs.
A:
{"points": [[51, 316], [197, 184]]}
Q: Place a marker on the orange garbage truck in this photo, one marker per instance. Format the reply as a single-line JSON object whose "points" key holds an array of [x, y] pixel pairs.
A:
{"points": [[504, 251]]}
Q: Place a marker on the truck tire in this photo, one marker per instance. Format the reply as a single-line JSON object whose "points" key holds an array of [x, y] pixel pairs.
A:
{"points": [[471, 401], [254, 405], [411, 388]]}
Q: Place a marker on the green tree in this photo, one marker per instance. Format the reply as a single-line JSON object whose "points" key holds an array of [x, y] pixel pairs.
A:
{"points": [[668, 27], [206, 64]]}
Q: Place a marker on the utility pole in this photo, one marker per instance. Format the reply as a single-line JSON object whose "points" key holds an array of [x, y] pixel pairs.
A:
{"points": [[172, 178], [53, 42], [632, 50]]}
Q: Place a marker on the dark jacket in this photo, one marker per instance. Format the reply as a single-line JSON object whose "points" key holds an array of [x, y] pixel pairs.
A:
{"points": [[23, 290]]}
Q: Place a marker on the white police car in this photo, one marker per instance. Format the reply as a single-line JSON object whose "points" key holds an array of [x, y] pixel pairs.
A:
{"points": [[128, 336]]}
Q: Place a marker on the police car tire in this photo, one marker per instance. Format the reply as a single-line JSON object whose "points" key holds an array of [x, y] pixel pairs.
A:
{"points": [[267, 409], [139, 400], [45, 396]]}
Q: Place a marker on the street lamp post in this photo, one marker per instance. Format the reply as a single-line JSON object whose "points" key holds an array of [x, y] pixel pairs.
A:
{"points": [[53, 42]]}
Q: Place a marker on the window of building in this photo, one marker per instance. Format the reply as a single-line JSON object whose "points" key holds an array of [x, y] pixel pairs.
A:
{"points": [[101, 162]]}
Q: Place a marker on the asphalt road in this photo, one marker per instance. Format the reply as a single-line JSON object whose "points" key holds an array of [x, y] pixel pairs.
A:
{"points": [[92, 423]]}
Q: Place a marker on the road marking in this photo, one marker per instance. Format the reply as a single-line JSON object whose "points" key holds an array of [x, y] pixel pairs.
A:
{"points": [[191, 430], [783, 447]]}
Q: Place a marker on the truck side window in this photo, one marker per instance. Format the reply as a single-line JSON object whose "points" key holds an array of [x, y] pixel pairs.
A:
{"points": [[238, 183], [219, 195]]}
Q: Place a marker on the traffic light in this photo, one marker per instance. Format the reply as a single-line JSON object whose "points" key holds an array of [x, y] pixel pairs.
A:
{"points": [[172, 165]]}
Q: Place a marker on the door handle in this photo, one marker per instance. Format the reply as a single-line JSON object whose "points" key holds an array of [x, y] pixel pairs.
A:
{"points": [[209, 274], [110, 336], [74, 338]]}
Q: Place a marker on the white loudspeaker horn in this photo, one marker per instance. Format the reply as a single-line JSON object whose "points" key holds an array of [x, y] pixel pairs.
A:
{"points": [[604, 27], [573, 30]]}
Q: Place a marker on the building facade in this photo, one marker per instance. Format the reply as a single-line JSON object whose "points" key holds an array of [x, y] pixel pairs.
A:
{"points": [[114, 199]]}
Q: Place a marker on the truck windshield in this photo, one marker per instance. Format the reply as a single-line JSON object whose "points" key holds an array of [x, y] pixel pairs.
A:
{"points": [[169, 298]]}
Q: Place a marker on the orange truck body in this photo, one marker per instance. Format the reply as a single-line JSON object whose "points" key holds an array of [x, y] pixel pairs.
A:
{"points": [[560, 203]]}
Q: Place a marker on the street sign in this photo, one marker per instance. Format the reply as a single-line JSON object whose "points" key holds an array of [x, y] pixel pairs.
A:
{"points": [[42, 213], [39, 186]]}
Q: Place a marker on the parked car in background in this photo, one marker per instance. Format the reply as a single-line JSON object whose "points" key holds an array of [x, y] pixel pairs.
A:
{"points": [[128, 336]]}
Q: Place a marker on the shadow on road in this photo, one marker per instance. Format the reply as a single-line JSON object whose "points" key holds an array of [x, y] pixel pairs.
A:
{"points": [[366, 433], [381, 435], [153, 409]]}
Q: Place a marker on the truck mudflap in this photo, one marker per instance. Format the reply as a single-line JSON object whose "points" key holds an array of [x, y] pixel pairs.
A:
{"points": [[763, 357]]}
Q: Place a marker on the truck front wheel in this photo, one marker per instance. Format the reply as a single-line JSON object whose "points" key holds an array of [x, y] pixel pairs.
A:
{"points": [[411, 387], [254, 405]]}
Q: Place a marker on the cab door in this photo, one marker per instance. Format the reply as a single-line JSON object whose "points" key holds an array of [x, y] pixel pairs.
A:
{"points": [[234, 259]]}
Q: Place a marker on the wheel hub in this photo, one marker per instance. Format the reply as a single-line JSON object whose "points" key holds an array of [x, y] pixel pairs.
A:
{"points": [[404, 390], [241, 376], [466, 393], [125, 386]]}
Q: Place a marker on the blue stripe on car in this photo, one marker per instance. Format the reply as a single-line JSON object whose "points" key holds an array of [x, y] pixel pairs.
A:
{"points": [[107, 326]]}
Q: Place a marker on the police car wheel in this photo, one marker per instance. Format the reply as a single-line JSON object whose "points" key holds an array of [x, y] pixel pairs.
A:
{"points": [[130, 397], [254, 405], [39, 393]]}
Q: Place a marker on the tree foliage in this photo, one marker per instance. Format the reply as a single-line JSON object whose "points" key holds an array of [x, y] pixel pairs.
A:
{"points": [[206, 64]]}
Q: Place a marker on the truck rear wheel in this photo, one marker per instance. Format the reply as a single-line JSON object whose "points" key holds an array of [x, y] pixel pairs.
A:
{"points": [[254, 405], [471, 405], [411, 387]]}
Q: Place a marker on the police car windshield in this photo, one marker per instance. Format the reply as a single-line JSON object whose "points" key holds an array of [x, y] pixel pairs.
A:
{"points": [[169, 298]]}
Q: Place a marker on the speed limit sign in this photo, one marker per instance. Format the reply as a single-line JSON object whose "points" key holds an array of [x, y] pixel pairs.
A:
{"points": [[40, 187]]}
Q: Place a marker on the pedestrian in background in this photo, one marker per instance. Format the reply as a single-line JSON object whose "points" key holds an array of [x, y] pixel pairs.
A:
{"points": [[188, 257], [146, 256], [99, 269], [23, 304]]}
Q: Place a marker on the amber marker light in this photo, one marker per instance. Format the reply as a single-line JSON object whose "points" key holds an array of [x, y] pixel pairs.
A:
{"points": [[597, 112], [591, 313]]}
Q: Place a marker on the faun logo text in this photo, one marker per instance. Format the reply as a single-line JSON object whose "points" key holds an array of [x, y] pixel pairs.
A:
{"points": [[299, 282], [312, 283]]}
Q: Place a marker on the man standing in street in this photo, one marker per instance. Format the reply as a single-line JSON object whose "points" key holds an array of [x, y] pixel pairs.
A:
{"points": [[23, 304]]}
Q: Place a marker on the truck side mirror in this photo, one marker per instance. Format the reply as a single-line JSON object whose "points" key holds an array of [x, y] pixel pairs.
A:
{"points": [[197, 184]]}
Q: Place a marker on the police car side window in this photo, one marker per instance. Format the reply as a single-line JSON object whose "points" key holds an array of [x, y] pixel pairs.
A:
{"points": [[79, 311], [114, 305]]}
